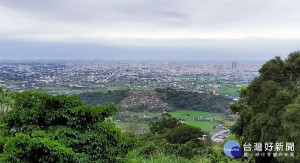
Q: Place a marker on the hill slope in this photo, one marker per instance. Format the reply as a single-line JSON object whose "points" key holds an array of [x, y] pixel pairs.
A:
{"points": [[194, 101], [149, 98], [159, 99]]}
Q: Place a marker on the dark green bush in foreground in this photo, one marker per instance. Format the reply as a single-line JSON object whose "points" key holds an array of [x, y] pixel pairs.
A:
{"points": [[174, 138], [46, 128]]}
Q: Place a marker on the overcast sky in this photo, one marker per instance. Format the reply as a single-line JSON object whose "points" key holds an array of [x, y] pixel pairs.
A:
{"points": [[149, 29]]}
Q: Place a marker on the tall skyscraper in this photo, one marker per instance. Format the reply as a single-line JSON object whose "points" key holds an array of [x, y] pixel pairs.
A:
{"points": [[234, 65]]}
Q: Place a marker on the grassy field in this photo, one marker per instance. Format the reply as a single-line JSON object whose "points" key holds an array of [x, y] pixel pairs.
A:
{"points": [[147, 114], [228, 88], [188, 116], [134, 126], [204, 125]]}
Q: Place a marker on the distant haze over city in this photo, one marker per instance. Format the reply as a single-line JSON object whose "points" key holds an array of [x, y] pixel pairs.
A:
{"points": [[149, 30]]}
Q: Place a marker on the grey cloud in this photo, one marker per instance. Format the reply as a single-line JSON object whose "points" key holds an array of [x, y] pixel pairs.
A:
{"points": [[199, 27], [202, 12], [191, 13]]}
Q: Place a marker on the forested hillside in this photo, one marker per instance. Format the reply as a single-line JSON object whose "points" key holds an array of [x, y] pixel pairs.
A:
{"points": [[145, 100], [194, 101], [104, 98], [159, 99]]}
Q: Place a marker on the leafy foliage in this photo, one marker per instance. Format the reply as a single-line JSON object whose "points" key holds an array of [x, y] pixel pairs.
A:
{"points": [[167, 122], [46, 128], [177, 142], [194, 100], [5, 101], [172, 137], [101, 98], [177, 99], [269, 107]]}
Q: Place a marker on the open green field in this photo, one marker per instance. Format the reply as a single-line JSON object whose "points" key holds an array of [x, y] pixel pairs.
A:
{"points": [[188, 116], [228, 88], [156, 114], [204, 125], [192, 114]]}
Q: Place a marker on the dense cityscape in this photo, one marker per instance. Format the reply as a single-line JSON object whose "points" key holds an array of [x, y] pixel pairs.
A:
{"points": [[71, 77]]}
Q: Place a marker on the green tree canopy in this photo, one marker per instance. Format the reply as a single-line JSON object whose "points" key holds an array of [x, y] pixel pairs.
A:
{"points": [[5, 101], [172, 137], [167, 122], [47, 128], [269, 106]]}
